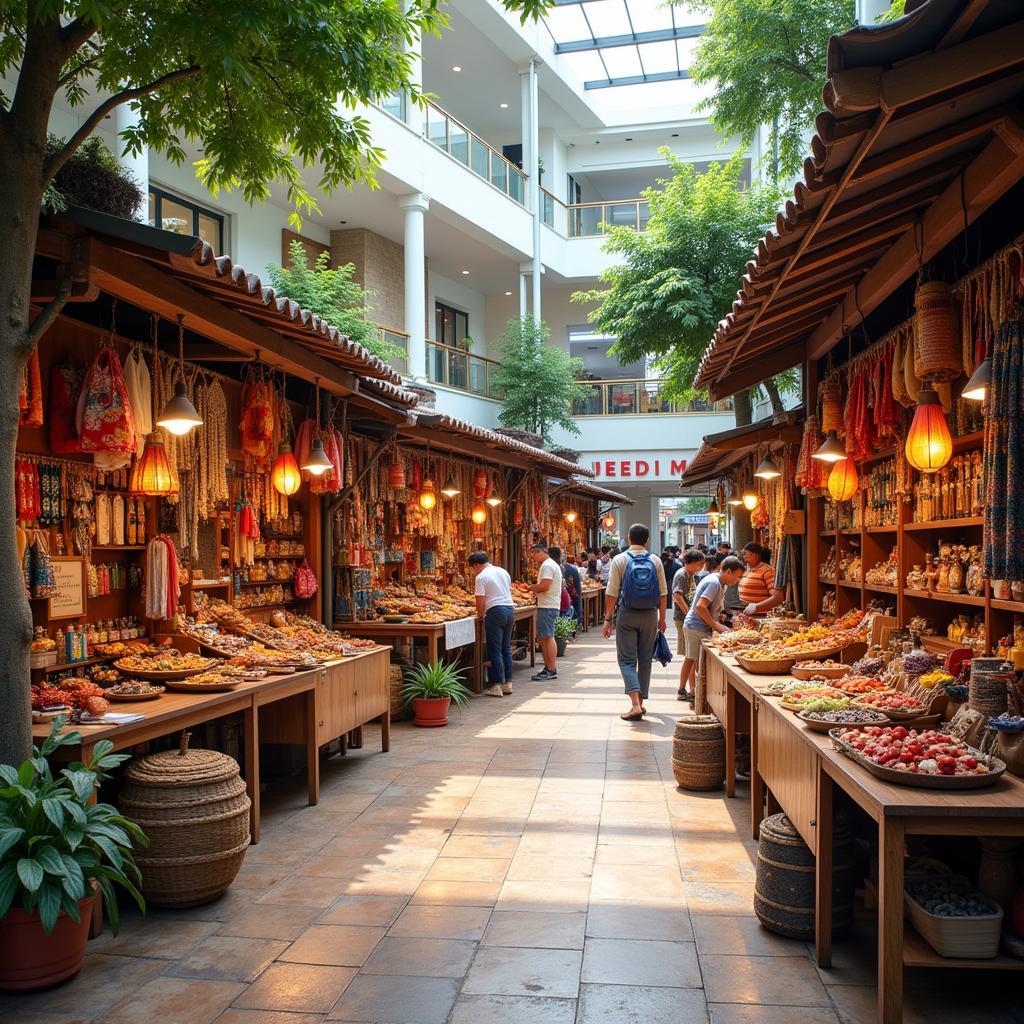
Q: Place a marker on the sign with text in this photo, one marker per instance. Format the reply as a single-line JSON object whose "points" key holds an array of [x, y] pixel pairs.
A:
{"points": [[459, 633], [636, 466]]}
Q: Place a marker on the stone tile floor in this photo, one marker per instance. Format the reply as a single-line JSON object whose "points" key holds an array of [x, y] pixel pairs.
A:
{"points": [[533, 863]]}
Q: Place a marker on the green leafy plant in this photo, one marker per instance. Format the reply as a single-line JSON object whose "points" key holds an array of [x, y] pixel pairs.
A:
{"points": [[53, 841], [538, 380], [565, 628], [435, 682], [92, 178], [331, 293]]}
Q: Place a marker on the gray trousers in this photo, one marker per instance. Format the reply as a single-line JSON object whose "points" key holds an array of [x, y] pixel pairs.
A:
{"points": [[636, 631]]}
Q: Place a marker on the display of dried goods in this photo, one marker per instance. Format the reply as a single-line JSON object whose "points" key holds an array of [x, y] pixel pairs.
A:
{"points": [[134, 688], [169, 660], [901, 703], [929, 752], [736, 639], [845, 716], [120, 648]]}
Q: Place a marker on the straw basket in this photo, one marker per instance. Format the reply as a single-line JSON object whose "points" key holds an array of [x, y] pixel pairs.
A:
{"points": [[397, 700], [193, 807], [831, 405], [698, 753], [989, 686], [937, 355]]}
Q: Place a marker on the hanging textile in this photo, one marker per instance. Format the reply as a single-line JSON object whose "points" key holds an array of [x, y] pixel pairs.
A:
{"points": [[105, 421], [65, 386], [1004, 457], [41, 578], [811, 473], [140, 395], [162, 586]]}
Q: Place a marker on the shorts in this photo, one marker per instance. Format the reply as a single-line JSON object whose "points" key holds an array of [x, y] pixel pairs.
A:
{"points": [[692, 642], [546, 622]]}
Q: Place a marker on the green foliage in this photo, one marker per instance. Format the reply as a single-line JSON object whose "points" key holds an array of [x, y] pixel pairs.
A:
{"points": [[565, 628], [333, 295], [435, 682], [262, 89], [53, 841], [92, 177], [538, 380], [677, 279], [765, 61]]}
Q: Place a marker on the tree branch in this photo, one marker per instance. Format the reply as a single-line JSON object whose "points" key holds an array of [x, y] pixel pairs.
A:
{"points": [[77, 70], [49, 312], [76, 34], [57, 161]]}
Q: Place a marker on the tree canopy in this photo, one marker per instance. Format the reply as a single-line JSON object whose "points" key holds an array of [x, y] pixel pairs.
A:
{"points": [[538, 380], [677, 279], [765, 61]]}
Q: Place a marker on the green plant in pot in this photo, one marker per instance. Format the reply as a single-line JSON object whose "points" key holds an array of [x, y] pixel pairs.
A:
{"points": [[431, 690], [54, 844], [565, 630]]}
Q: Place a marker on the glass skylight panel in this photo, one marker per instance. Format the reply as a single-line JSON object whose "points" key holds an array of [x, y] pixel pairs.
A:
{"points": [[607, 17], [659, 57], [567, 23], [588, 65], [622, 62], [649, 15]]}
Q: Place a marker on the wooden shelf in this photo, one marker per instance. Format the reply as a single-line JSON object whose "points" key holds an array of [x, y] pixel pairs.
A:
{"points": [[969, 441], [1008, 606], [264, 583], [917, 953], [881, 529], [827, 533], [209, 584], [977, 602], [882, 453], [850, 531], [278, 558], [828, 582], [850, 584], [881, 588], [63, 667], [940, 644], [118, 547], [946, 524]]}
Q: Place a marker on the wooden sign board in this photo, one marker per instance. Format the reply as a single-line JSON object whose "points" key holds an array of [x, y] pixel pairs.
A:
{"points": [[69, 601], [795, 522]]}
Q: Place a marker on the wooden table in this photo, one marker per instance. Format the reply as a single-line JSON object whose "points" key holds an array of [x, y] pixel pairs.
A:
{"points": [[798, 770], [593, 607]]}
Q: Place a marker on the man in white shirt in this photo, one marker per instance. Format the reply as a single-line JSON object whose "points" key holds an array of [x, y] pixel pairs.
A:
{"points": [[604, 564], [548, 589], [493, 590]]}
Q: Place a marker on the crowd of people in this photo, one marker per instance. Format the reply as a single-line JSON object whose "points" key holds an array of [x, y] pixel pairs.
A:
{"points": [[705, 589]]}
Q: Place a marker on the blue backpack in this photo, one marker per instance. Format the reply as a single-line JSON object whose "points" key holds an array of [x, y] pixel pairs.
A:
{"points": [[640, 587]]}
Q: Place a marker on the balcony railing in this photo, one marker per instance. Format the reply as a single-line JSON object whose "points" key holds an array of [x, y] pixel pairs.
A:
{"points": [[637, 398], [590, 219], [457, 368], [401, 339]]}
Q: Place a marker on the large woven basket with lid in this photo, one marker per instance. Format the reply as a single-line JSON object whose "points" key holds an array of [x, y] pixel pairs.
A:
{"points": [[193, 807]]}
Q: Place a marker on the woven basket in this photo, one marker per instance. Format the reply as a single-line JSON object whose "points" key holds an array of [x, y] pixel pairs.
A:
{"points": [[526, 436], [698, 753], [937, 350], [831, 405], [989, 691], [193, 807], [397, 700]]}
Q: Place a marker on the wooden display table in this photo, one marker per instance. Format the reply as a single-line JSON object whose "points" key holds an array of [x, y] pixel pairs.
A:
{"points": [[798, 770], [303, 708], [593, 607]]}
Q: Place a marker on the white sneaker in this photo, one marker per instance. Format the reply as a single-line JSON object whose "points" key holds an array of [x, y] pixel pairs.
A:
{"points": [[506, 689], [493, 691]]}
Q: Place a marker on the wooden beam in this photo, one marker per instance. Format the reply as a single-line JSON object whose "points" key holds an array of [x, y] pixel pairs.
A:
{"points": [[143, 285], [992, 173], [746, 377], [962, 25], [783, 432]]}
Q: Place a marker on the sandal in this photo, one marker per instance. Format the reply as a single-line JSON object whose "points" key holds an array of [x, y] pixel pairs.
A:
{"points": [[632, 716]]}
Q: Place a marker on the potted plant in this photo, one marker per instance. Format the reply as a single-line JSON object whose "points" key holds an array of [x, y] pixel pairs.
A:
{"points": [[56, 849], [565, 630], [431, 690]]}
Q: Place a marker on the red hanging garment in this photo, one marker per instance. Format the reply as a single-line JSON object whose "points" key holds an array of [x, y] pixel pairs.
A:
{"points": [[65, 385], [257, 425], [106, 420]]}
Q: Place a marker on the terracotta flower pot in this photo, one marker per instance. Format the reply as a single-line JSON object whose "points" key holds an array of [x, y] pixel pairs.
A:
{"points": [[432, 713], [32, 959]]}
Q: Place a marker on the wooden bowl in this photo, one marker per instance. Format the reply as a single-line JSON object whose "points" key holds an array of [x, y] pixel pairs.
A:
{"points": [[820, 673], [778, 667]]}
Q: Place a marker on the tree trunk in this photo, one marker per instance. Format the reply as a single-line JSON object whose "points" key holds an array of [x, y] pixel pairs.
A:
{"points": [[742, 408], [773, 396]]}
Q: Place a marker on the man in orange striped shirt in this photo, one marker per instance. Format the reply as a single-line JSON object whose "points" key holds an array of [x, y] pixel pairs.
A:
{"points": [[757, 585]]}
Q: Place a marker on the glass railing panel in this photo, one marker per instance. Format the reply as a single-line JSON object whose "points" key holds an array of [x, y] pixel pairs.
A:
{"points": [[592, 404], [622, 399], [547, 209], [436, 127], [585, 220], [458, 142], [499, 173], [458, 370], [645, 214], [477, 375], [493, 390], [516, 185], [652, 400], [437, 363], [394, 104], [400, 363], [479, 157], [620, 215]]}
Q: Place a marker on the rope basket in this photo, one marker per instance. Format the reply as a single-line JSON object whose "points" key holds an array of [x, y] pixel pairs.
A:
{"points": [[193, 807], [698, 753], [937, 349], [397, 700], [831, 405], [988, 692]]}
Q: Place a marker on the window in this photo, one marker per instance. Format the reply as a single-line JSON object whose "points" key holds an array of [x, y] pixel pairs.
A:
{"points": [[451, 326], [186, 218]]}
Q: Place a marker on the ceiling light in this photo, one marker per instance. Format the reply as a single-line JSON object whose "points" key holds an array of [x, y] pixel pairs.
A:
{"points": [[465, 272], [179, 415], [767, 470], [456, 67], [451, 488], [318, 461], [977, 387], [504, 106], [629, 138], [831, 449], [675, 135], [508, 293], [494, 499]]}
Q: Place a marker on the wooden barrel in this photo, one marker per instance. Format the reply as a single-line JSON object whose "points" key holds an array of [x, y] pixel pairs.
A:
{"points": [[698, 753], [193, 807], [784, 886]]}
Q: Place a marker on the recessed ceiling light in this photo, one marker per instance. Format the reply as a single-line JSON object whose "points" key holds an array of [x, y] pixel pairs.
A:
{"points": [[456, 67], [465, 271], [508, 293], [504, 106]]}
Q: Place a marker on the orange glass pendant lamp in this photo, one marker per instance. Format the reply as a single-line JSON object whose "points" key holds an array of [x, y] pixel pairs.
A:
{"points": [[151, 475], [570, 517], [479, 514], [428, 496], [842, 481], [929, 444], [286, 476], [609, 522]]}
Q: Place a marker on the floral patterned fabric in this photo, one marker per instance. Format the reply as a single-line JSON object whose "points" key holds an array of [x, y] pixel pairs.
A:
{"points": [[105, 419], [1004, 457]]}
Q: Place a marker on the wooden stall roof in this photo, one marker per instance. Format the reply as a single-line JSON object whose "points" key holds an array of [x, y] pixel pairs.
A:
{"points": [[446, 432], [923, 129], [719, 452], [578, 485], [165, 272]]}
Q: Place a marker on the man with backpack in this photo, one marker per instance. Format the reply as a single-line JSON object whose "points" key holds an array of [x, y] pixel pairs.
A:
{"points": [[635, 603]]}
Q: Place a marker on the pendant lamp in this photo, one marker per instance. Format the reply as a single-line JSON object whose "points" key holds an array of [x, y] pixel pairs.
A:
{"points": [[929, 445], [842, 481], [831, 449], [712, 508], [479, 514], [179, 415], [286, 476], [608, 522], [750, 499], [428, 496], [318, 461], [976, 388], [571, 516], [151, 474], [767, 470], [494, 498], [735, 497], [451, 488]]}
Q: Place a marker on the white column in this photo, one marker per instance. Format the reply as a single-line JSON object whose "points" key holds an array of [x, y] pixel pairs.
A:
{"points": [[868, 10], [414, 48], [534, 184], [654, 522], [415, 206], [523, 307], [137, 166]]}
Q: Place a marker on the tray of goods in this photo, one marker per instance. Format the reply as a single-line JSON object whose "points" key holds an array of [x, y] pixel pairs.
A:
{"points": [[776, 688], [827, 669], [855, 686], [766, 660], [869, 665], [736, 639], [76, 691], [953, 917], [105, 676], [48, 702], [1007, 723], [358, 645], [899, 706], [428, 618], [205, 682], [395, 618], [928, 759], [166, 666], [254, 675], [810, 696], [824, 719], [124, 648], [133, 690]]}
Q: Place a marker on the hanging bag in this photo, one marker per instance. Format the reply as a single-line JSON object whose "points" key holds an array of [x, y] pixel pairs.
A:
{"points": [[105, 420], [304, 581]]}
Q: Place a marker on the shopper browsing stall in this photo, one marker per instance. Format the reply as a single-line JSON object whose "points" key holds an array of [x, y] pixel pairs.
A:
{"points": [[683, 588], [548, 589], [493, 592]]}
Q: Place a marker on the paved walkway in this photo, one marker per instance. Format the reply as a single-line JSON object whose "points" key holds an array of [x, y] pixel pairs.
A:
{"points": [[531, 864]]}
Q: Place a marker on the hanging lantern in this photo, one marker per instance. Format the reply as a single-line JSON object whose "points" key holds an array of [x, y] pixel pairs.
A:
{"points": [[480, 483], [842, 481], [608, 522], [937, 349], [396, 475], [831, 449], [494, 498], [750, 499], [831, 405], [571, 517], [713, 521], [285, 475], [517, 513], [479, 514], [428, 497], [151, 474], [929, 444], [451, 488], [713, 506], [179, 415]]}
